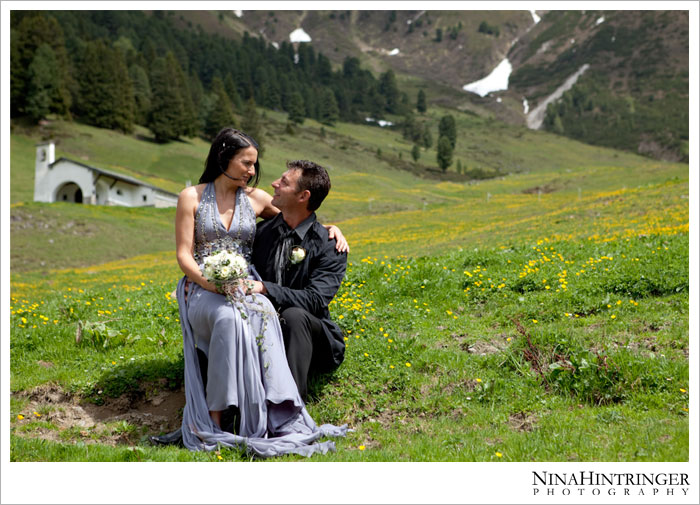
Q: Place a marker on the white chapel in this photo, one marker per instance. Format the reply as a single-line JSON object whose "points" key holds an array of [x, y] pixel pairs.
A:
{"points": [[65, 180]]}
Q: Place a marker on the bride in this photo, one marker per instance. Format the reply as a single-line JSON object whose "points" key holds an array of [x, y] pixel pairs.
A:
{"points": [[246, 368]]}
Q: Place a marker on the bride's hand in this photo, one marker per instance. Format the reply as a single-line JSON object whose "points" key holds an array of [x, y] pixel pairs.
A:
{"points": [[341, 244]]}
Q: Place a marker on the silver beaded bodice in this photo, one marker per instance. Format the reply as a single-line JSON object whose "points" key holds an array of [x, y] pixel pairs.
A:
{"points": [[210, 235]]}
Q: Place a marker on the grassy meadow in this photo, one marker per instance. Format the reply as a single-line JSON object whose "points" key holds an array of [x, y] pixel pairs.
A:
{"points": [[538, 315]]}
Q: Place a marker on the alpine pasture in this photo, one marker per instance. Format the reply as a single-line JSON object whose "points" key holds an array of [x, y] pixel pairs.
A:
{"points": [[539, 314]]}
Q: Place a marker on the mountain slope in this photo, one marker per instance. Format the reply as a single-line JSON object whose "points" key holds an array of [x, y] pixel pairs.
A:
{"points": [[636, 82], [634, 92]]}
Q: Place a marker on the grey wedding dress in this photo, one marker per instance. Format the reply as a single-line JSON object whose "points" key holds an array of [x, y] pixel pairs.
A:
{"points": [[245, 349]]}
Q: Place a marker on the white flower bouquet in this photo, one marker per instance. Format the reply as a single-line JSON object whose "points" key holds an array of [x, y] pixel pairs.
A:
{"points": [[224, 268]]}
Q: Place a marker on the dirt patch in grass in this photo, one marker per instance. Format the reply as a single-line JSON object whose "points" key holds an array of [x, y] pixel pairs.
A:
{"points": [[482, 348], [522, 421], [118, 420], [547, 188]]}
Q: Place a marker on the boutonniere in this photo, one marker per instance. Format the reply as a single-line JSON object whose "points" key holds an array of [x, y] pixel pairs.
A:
{"points": [[298, 254]]}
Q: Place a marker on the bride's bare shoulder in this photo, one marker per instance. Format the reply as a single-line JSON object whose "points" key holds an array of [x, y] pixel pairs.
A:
{"points": [[258, 195], [192, 194]]}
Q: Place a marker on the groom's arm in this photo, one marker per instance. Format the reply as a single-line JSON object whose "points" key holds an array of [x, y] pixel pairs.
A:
{"points": [[326, 272]]}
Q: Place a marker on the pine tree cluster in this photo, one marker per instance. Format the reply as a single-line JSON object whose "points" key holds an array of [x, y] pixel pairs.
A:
{"points": [[116, 69]]}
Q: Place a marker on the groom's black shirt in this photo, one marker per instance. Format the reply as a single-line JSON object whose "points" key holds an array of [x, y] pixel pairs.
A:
{"points": [[310, 284]]}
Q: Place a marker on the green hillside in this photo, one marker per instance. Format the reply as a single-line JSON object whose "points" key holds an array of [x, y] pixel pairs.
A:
{"points": [[367, 189]]}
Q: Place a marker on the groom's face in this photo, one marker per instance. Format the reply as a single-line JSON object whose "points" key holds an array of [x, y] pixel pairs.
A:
{"points": [[287, 194]]}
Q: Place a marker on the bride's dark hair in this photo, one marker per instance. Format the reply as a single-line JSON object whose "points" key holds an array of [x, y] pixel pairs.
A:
{"points": [[225, 146]]}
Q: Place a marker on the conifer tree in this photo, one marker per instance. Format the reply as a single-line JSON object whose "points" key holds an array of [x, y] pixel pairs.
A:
{"points": [[448, 128], [123, 105], [95, 103], [106, 97], [415, 152], [390, 91], [31, 32], [310, 102], [444, 153], [427, 140], [261, 85], [328, 107], [557, 125], [420, 102], [251, 124], [187, 123], [409, 125], [42, 89], [232, 91], [323, 72], [295, 108], [166, 103], [221, 114], [141, 87], [376, 103], [199, 101]]}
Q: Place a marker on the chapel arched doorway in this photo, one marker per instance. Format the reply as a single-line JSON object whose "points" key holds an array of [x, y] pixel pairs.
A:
{"points": [[69, 192]]}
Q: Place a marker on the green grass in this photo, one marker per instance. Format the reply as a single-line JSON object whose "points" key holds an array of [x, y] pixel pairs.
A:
{"points": [[603, 388], [468, 289], [70, 235]]}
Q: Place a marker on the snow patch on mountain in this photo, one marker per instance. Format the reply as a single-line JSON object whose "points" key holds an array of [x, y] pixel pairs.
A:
{"points": [[299, 35], [497, 80]]}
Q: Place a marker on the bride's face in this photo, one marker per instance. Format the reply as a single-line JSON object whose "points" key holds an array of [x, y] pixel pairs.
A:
{"points": [[242, 166]]}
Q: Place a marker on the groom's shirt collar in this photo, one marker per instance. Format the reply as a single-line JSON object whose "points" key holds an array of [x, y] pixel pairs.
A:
{"points": [[300, 230]]}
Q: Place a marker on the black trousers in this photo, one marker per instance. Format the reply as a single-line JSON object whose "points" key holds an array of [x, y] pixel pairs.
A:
{"points": [[307, 347]]}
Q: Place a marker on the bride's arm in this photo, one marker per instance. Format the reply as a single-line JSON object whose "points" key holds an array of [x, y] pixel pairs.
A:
{"points": [[184, 237], [262, 204], [341, 243]]}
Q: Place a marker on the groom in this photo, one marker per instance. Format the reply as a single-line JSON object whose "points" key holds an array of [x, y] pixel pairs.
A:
{"points": [[301, 272]]}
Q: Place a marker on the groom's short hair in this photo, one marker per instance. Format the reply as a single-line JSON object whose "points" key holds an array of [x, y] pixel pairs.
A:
{"points": [[314, 178]]}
